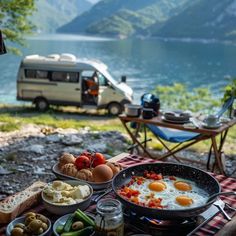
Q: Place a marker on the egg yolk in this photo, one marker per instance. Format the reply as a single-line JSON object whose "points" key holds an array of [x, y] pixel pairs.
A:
{"points": [[157, 186], [184, 200], [182, 186]]}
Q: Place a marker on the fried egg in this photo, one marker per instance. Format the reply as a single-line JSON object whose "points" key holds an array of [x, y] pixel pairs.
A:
{"points": [[175, 194], [157, 186]]}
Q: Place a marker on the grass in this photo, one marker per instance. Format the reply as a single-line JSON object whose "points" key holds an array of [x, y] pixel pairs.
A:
{"points": [[13, 118]]}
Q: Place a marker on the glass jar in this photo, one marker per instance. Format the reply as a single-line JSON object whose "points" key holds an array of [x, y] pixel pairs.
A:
{"points": [[109, 218]]}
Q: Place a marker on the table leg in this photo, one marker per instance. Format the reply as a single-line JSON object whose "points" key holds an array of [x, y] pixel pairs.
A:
{"points": [[135, 140], [217, 155]]}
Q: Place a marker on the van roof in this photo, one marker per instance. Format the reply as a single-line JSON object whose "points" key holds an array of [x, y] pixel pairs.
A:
{"points": [[63, 60]]}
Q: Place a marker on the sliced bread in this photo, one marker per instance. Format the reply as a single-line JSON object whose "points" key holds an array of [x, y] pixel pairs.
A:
{"points": [[14, 205]]}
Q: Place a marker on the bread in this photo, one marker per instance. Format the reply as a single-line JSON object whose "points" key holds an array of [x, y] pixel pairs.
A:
{"points": [[66, 158], [14, 205], [88, 174], [69, 169]]}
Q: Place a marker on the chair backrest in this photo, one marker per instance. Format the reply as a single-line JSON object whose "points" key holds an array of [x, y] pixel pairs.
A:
{"points": [[225, 107]]}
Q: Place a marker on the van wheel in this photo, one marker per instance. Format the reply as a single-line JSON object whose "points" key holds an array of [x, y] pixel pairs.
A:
{"points": [[114, 109], [41, 104]]}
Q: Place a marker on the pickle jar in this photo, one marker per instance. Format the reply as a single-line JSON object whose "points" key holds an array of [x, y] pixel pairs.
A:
{"points": [[109, 218]]}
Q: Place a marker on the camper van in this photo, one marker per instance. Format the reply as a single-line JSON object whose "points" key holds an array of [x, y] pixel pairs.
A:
{"points": [[66, 80]]}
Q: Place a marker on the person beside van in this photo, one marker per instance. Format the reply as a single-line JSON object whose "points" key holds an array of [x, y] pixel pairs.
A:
{"points": [[92, 85]]}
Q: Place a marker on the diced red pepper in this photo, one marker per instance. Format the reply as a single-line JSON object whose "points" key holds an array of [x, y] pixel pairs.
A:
{"points": [[172, 178]]}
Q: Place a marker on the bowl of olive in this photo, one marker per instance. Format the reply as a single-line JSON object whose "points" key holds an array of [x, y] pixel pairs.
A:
{"points": [[29, 224]]}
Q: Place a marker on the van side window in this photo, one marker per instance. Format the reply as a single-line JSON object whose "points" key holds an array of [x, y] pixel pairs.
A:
{"points": [[39, 74], [42, 74], [61, 76], [30, 73]]}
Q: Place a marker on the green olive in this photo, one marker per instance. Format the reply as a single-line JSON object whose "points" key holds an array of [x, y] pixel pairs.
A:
{"points": [[17, 232], [30, 214], [77, 225], [40, 231], [42, 218], [19, 225], [29, 219], [35, 225], [44, 226], [27, 230]]}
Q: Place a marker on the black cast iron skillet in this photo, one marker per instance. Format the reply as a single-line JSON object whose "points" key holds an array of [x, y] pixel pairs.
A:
{"points": [[203, 180]]}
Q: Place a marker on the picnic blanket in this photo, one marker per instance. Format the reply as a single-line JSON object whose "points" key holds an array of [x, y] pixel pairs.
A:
{"points": [[211, 228]]}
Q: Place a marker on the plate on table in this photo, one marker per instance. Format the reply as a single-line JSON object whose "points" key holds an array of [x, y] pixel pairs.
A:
{"points": [[62, 220], [175, 121], [95, 186], [177, 116], [215, 126]]}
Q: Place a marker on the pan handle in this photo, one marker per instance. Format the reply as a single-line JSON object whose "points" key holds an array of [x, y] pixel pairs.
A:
{"points": [[218, 194]]}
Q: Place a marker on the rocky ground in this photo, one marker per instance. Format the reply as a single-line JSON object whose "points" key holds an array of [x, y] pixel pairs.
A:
{"points": [[27, 155]]}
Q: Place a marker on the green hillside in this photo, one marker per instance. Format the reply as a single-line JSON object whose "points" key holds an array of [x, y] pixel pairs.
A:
{"points": [[119, 17], [51, 14], [211, 19]]}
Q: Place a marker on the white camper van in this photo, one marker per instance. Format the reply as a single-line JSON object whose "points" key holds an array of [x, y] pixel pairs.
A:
{"points": [[66, 80]]}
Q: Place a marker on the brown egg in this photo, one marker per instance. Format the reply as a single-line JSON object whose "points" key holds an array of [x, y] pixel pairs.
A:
{"points": [[66, 158], [114, 166], [102, 173]]}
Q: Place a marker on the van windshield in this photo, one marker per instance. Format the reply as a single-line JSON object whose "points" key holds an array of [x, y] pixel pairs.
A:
{"points": [[108, 76]]}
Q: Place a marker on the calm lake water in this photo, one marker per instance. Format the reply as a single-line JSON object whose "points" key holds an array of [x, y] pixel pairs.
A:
{"points": [[146, 62]]}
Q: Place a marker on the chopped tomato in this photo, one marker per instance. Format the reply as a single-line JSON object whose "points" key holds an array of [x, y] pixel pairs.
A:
{"points": [[172, 178], [155, 203], [135, 200]]}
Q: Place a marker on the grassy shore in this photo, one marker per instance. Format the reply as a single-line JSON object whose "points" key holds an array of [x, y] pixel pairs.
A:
{"points": [[14, 117]]}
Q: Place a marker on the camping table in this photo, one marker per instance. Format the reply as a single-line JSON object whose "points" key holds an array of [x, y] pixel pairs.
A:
{"points": [[210, 134], [126, 160]]}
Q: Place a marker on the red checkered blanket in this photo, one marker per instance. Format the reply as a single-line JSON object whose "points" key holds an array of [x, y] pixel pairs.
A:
{"points": [[211, 228]]}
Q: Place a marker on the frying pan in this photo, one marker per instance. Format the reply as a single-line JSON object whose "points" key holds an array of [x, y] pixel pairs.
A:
{"points": [[202, 179]]}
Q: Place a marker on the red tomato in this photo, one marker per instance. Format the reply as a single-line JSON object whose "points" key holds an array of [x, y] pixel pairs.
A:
{"points": [[87, 154], [98, 159], [82, 162]]}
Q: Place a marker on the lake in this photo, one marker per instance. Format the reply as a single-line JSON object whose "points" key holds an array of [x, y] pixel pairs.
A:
{"points": [[146, 62]]}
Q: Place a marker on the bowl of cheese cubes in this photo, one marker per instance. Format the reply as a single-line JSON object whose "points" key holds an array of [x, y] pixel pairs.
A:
{"points": [[62, 197]]}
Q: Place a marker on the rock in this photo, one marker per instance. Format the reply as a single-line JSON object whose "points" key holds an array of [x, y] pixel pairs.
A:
{"points": [[72, 140], [39, 170], [41, 158], [73, 150], [98, 147], [39, 149], [66, 131], [54, 138]]}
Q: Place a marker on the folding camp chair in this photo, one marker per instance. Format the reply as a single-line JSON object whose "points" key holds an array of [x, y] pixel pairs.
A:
{"points": [[184, 139]]}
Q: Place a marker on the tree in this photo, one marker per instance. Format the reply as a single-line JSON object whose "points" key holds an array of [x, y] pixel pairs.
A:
{"points": [[15, 23]]}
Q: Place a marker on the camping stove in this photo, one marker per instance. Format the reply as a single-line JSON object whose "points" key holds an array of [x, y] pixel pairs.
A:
{"points": [[139, 224]]}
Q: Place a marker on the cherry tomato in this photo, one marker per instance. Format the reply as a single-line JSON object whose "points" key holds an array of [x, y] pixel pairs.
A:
{"points": [[82, 162], [87, 154], [98, 159]]}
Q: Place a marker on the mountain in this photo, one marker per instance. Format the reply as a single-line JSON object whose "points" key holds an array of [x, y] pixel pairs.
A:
{"points": [[123, 17], [51, 14], [211, 19]]}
